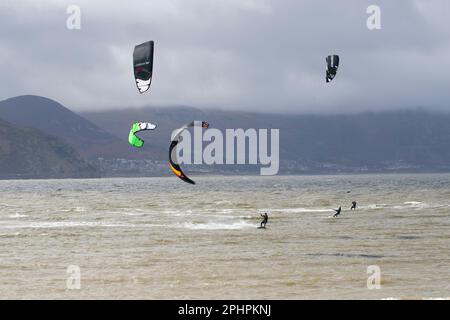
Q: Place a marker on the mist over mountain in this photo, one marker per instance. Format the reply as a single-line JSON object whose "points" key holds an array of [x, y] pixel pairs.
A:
{"points": [[382, 141], [42, 138]]}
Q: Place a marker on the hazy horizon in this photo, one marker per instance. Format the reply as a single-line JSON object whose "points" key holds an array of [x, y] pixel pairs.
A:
{"points": [[222, 109]]}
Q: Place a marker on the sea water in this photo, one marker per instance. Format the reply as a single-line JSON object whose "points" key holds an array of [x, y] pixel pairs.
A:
{"points": [[160, 238]]}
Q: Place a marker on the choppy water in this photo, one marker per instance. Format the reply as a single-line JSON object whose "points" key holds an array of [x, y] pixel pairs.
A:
{"points": [[159, 238]]}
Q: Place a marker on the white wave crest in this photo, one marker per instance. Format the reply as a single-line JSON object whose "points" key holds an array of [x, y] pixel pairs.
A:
{"points": [[217, 225], [298, 210], [62, 224], [17, 215]]}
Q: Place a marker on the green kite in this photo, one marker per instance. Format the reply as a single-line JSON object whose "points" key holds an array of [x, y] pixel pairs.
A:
{"points": [[134, 140]]}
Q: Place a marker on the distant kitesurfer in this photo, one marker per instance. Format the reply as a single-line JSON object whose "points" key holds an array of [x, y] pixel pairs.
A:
{"points": [[338, 212], [265, 218], [353, 205]]}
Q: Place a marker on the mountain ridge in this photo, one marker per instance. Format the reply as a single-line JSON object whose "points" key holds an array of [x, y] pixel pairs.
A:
{"points": [[55, 119], [416, 139], [385, 141], [29, 153]]}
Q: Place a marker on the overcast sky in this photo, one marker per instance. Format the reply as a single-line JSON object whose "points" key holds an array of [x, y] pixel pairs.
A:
{"points": [[254, 55]]}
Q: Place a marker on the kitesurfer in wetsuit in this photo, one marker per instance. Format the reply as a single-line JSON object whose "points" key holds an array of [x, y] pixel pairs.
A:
{"points": [[353, 205], [265, 218], [338, 212]]}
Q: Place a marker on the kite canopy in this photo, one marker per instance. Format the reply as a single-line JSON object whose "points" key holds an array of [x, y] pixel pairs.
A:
{"points": [[332, 66], [143, 65], [172, 160], [134, 140]]}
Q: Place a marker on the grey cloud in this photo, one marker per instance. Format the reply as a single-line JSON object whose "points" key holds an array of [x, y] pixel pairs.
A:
{"points": [[255, 55]]}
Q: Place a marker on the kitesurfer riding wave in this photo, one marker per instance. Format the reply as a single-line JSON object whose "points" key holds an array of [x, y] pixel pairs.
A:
{"points": [[338, 212], [265, 219]]}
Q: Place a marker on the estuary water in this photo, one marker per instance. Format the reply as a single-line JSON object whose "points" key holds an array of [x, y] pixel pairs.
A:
{"points": [[160, 238]]}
